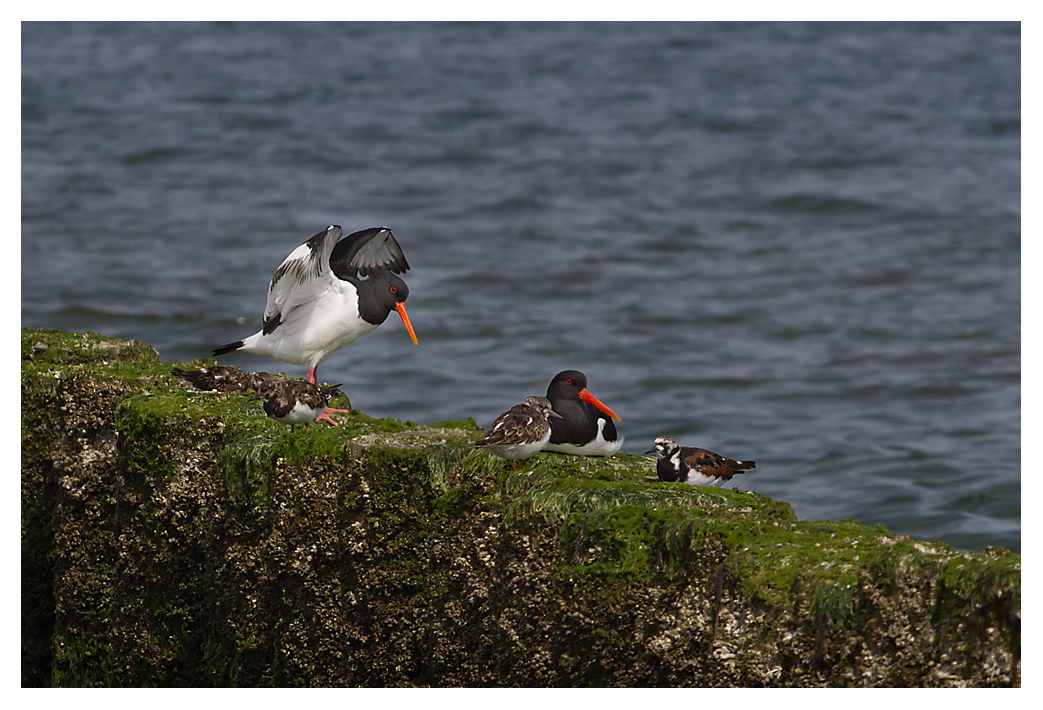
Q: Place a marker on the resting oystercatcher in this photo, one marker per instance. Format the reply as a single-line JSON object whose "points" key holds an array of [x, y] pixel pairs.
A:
{"points": [[223, 379], [521, 431], [696, 467], [297, 401], [317, 304], [581, 428]]}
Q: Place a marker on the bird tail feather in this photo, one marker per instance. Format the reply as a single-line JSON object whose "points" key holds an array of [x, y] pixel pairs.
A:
{"points": [[228, 348]]}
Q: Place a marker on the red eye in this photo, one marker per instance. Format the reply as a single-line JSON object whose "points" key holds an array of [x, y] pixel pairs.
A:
{"points": [[568, 381], [394, 289]]}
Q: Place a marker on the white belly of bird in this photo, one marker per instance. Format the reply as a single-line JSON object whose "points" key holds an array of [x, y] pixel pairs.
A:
{"points": [[514, 452], [697, 479], [598, 447], [311, 333], [300, 414]]}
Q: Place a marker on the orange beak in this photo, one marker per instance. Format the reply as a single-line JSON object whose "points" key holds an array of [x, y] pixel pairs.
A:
{"points": [[401, 308], [588, 397]]}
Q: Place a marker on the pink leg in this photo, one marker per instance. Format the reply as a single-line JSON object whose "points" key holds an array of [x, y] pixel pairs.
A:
{"points": [[326, 417], [312, 377]]}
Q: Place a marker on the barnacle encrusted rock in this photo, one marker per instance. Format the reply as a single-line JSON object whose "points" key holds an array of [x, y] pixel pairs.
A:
{"points": [[174, 537]]}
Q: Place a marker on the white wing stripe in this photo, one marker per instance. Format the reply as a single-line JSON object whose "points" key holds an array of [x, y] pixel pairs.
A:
{"points": [[310, 267]]}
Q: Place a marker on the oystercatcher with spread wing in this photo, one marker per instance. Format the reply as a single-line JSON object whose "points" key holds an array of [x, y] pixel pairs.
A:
{"points": [[319, 300]]}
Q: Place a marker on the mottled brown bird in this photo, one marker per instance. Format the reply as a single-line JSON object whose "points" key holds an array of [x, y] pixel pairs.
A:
{"points": [[223, 379], [296, 401], [521, 431]]}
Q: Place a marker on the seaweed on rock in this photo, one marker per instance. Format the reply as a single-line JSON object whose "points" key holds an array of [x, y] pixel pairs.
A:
{"points": [[177, 538]]}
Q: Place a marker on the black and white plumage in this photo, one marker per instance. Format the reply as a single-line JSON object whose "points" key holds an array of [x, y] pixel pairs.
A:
{"points": [[318, 304], [223, 379], [521, 431], [297, 401], [584, 426], [697, 467]]}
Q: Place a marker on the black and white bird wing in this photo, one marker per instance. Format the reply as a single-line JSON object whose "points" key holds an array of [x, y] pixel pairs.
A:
{"points": [[368, 251], [303, 277]]}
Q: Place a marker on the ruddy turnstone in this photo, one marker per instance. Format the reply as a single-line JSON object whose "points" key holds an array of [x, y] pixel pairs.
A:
{"points": [[697, 467], [296, 401], [318, 304], [521, 431], [582, 427], [223, 379]]}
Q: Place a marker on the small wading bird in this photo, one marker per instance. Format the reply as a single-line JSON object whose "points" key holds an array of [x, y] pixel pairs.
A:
{"points": [[696, 467], [584, 426], [318, 304], [223, 379], [296, 401], [521, 431]]}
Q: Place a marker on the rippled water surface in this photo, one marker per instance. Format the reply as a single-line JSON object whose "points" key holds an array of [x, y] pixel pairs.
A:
{"points": [[794, 243]]}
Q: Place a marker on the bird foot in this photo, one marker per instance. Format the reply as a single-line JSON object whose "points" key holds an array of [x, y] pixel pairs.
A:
{"points": [[326, 417]]}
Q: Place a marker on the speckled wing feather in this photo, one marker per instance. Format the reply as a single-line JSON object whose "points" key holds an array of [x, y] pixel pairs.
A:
{"points": [[519, 424], [223, 379], [278, 399], [281, 397]]}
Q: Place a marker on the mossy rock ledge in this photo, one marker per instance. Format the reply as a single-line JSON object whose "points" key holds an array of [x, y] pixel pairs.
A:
{"points": [[180, 538]]}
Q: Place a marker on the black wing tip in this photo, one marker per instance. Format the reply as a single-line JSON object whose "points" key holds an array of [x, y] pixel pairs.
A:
{"points": [[221, 350]]}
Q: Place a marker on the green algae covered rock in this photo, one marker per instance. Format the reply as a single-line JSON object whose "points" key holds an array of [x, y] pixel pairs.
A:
{"points": [[180, 538]]}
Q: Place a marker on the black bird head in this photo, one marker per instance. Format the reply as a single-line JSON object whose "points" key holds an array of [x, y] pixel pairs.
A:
{"points": [[382, 293], [571, 385]]}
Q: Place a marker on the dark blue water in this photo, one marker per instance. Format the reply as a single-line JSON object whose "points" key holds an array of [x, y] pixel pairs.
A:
{"points": [[795, 243]]}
